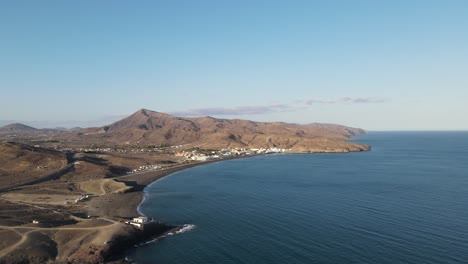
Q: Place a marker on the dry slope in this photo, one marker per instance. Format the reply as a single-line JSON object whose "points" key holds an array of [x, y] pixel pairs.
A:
{"points": [[154, 128], [20, 163]]}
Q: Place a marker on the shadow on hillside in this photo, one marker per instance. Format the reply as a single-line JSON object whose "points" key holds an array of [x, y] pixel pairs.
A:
{"points": [[94, 160], [136, 187], [117, 171]]}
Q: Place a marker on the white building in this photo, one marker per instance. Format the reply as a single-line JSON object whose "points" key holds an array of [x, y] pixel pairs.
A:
{"points": [[139, 225], [140, 220]]}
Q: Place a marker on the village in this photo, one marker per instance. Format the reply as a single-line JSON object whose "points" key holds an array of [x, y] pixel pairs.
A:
{"points": [[126, 149], [145, 168], [203, 155]]}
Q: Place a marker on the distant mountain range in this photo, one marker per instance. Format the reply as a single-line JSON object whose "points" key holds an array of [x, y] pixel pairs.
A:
{"points": [[148, 127], [17, 127], [24, 129]]}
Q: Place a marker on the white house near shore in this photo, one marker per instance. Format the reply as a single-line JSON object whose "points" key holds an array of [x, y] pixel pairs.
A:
{"points": [[140, 219], [139, 225]]}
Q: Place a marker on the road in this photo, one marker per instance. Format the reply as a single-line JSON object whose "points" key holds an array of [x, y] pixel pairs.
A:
{"points": [[30, 229]]}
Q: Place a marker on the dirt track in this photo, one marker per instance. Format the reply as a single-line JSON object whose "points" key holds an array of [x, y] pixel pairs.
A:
{"points": [[31, 229]]}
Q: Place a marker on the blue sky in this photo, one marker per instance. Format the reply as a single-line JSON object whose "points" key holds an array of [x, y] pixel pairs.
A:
{"points": [[379, 65]]}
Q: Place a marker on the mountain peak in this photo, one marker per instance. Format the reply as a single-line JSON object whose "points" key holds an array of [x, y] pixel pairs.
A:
{"points": [[146, 112]]}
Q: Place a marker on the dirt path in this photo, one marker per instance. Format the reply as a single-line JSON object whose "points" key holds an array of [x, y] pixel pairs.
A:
{"points": [[103, 190], [29, 204], [24, 235], [9, 249]]}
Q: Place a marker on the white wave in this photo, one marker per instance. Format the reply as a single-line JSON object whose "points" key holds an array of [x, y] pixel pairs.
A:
{"points": [[150, 241], [145, 194], [129, 260], [182, 229], [185, 228]]}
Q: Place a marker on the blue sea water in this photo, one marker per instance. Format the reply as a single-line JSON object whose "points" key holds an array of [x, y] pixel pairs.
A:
{"points": [[406, 201]]}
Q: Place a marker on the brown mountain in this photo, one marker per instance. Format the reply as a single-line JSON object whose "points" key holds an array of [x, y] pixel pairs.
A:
{"points": [[17, 128], [154, 128]]}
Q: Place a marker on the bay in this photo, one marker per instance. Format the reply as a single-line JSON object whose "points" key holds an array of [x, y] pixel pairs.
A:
{"points": [[403, 202]]}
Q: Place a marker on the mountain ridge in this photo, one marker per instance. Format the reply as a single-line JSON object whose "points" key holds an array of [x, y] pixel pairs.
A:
{"points": [[151, 127]]}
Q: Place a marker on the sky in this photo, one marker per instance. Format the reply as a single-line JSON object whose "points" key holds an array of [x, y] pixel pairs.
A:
{"points": [[378, 65]]}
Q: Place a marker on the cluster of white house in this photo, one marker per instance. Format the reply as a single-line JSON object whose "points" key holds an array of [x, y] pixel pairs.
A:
{"points": [[120, 149], [194, 155], [145, 168], [226, 153], [83, 197], [91, 150], [138, 221]]}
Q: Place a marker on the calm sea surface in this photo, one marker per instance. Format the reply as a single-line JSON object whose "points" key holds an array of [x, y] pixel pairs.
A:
{"points": [[406, 201]]}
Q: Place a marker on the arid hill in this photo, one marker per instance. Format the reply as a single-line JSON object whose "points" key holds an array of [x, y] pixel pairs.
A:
{"points": [[154, 128], [20, 163]]}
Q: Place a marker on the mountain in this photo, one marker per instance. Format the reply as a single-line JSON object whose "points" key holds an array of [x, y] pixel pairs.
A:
{"points": [[17, 128], [339, 129], [154, 128], [27, 131]]}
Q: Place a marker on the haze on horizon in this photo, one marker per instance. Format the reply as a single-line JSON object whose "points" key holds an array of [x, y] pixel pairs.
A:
{"points": [[393, 65]]}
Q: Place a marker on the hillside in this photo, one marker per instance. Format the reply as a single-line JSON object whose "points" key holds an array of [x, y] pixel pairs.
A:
{"points": [[154, 128], [21, 163]]}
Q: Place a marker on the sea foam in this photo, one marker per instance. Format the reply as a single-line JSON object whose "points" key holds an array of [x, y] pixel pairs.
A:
{"points": [[183, 229]]}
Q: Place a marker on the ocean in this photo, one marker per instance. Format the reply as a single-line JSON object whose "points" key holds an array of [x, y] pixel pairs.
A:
{"points": [[406, 201]]}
